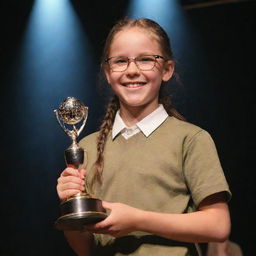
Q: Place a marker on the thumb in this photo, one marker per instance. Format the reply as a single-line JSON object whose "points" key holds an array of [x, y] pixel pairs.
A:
{"points": [[107, 205], [82, 173]]}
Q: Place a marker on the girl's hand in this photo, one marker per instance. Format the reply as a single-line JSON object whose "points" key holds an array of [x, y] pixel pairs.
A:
{"points": [[70, 182], [122, 220]]}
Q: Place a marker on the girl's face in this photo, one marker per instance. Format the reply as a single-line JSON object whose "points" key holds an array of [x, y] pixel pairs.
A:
{"points": [[136, 88]]}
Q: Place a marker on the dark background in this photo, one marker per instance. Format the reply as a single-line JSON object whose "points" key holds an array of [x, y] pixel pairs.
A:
{"points": [[216, 94]]}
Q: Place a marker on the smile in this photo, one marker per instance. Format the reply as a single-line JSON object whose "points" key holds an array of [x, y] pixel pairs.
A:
{"points": [[134, 84]]}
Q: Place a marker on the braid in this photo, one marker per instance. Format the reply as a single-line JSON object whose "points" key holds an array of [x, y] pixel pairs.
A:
{"points": [[165, 99], [105, 128]]}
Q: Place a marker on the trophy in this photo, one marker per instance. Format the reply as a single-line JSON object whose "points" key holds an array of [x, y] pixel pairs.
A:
{"points": [[80, 209]]}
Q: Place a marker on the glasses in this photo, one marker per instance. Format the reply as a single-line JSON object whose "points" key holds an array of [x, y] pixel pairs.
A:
{"points": [[143, 62]]}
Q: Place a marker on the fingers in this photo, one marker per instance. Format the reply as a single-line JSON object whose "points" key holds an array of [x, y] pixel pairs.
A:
{"points": [[70, 182], [68, 193], [68, 189], [103, 227], [99, 228], [71, 172]]}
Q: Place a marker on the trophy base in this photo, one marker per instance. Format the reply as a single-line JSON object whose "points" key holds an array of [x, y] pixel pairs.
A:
{"points": [[78, 211]]}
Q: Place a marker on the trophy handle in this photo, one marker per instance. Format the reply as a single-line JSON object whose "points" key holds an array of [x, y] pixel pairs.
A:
{"points": [[60, 123], [74, 133], [83, 124]]}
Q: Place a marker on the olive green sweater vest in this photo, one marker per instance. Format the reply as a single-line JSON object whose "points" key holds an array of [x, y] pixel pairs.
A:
{"points": [[171, 171]]}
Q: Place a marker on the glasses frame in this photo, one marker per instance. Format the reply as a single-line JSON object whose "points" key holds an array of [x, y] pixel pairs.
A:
{"points": [[134, 59]]}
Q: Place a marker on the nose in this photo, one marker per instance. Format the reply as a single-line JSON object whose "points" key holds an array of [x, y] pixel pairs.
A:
{"points": [[132, 67]]}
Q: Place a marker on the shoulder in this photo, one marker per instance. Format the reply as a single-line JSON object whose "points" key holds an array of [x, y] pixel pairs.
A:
{"points": [[181, 134], [184, 129], [184, 125], [188, 134], [89, 139]]}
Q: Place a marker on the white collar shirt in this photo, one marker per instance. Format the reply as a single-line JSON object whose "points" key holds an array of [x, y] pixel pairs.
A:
{"points": [[147, 125]]}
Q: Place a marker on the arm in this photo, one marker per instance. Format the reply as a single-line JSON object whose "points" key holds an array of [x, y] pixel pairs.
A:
{"points": [[210, 223], [70, 182], [80, 242]]}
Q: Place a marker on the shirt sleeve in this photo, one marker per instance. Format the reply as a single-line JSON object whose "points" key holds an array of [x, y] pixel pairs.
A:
{"points": [[202, 169]]}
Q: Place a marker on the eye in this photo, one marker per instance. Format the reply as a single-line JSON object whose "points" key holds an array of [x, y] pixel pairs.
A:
{"points": [[119, 60], [146, 59]]}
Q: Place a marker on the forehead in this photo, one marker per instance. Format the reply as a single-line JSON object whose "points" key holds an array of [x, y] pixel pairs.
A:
{"points": [[134, 41]]}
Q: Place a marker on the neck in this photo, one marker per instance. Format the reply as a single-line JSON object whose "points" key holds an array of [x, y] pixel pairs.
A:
{"points": [[132, 115]]}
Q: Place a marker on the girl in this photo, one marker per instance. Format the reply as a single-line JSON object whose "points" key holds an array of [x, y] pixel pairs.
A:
{"points": [[159, 177]]}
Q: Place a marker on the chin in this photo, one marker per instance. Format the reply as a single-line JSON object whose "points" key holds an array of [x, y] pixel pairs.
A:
{"points": [[134, 103]]}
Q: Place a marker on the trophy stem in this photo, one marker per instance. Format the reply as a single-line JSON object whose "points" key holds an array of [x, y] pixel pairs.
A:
{"points": [[74, 157]]}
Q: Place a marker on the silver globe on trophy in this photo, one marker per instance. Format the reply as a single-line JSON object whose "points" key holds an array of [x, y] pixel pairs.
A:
{"points": [[80, 209]]}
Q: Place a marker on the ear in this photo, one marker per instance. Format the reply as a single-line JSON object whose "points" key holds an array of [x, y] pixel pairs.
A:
{"points": [[107, 74], [168, 70]]}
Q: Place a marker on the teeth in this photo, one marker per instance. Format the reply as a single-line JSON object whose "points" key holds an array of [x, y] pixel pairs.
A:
{"points": [[134, 85]]}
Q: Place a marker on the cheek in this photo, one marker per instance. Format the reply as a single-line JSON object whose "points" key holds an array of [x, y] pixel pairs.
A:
{"points": [[114, 85], [156, 79], [112, 77]]}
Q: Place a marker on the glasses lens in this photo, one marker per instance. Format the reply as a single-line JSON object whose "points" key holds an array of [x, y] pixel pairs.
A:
{"points": [[145, 62], [118, 63]]}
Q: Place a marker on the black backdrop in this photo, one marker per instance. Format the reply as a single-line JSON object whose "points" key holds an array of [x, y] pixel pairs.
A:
{"points": [[216, 94]]}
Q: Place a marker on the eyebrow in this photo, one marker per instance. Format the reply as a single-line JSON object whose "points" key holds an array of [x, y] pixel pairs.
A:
{"points": [[141, 54]]}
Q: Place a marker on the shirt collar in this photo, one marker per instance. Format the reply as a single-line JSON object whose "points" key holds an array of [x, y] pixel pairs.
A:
{"points": [[118, 125], [147, 125]]}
